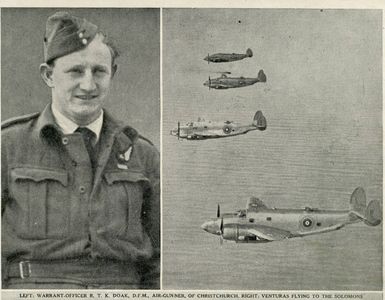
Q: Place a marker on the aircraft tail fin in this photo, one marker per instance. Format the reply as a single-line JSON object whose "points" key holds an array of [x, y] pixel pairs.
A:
{"points": [[371, 214], [249, 53], [259, 121], [261, 76], [358, 202]]}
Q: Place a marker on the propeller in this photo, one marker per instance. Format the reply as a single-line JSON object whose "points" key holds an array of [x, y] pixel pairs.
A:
{"points": [[178, 130], [208, 58], [221, 226], [221, 232], [209, 83]]}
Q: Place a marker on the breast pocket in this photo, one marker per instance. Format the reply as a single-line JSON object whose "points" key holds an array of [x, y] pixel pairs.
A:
{"points": [[41, 202], [125, 191]]}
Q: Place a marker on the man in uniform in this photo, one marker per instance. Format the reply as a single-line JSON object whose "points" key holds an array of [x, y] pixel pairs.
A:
{"points": [[80, 190]]}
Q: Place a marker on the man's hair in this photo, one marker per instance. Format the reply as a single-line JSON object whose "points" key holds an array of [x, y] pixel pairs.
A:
{"points": [[111, 46], [107, 41]]}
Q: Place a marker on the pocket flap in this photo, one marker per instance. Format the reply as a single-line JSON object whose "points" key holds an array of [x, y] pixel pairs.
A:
{"points": [[38, 175], [131, 176]]}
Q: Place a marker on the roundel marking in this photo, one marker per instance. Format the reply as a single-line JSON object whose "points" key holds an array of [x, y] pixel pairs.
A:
{"points": [[227, 129], [307, 222]]}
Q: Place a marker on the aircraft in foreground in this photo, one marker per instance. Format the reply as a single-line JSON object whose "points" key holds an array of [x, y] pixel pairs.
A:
{"points": [[259, 223], [227, 57], [202, 130], [224, 82]]}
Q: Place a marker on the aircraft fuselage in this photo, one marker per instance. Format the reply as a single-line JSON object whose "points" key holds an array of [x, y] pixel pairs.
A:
{"points": [[283, 223], [201, 130], [225, 57], [230, 82], [207, 130]]}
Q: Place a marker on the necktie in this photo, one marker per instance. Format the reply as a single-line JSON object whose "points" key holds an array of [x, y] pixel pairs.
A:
{"points": [[89, 138]]}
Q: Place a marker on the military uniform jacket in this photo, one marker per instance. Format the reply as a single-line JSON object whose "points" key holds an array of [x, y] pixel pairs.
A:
{"points": [[54, 208]]}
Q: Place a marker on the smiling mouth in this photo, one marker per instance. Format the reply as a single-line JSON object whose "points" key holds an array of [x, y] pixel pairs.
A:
{"points": [[86, 97]]}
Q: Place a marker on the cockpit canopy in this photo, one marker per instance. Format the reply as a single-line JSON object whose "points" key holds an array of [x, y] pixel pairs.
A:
{"points": [[255, 204]]}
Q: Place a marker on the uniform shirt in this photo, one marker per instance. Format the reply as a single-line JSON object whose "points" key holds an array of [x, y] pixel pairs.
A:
{"points": [[67, 126], [53, 210]]}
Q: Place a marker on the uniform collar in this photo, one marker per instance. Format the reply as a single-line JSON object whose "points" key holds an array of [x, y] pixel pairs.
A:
{"points": [[48, 129], [67, 126]]}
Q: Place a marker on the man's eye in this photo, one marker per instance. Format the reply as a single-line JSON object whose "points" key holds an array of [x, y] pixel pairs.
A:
{"points": [[75, 71], [100, 70]]}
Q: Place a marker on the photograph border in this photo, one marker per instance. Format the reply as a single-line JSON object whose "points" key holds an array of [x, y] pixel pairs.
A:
{"points": [[194, 294]]}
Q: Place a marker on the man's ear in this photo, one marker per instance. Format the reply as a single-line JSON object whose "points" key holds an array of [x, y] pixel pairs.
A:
{"points": [[46, 73], [113, 70]]}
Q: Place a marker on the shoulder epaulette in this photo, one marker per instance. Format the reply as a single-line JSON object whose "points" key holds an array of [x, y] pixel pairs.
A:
{"points": [[147, 140], [134, 135], [19, 119]]}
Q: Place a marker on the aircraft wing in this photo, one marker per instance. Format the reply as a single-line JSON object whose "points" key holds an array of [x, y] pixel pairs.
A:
{"points": [[210, 132], [214, 132], [270, 233], [196, 136], [219, 85], [204, 135]]}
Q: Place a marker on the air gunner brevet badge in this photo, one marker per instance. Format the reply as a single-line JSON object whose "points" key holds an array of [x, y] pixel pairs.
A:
{"points": [[124, 157]]}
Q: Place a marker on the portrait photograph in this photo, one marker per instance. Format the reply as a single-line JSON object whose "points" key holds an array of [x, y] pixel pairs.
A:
{"points": [[272, 138], [80, 148]]}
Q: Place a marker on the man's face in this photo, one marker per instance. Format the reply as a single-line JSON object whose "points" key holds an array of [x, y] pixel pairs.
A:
{"points": [[80, 82]]}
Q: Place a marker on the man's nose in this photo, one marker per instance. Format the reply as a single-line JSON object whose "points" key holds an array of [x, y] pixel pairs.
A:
{"points": [[87, 82]]}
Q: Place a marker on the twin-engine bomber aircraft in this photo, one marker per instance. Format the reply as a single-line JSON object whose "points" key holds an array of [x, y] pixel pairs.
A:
{"points": [[224, 82], [202, 130], [259, 223], [227, 57]]}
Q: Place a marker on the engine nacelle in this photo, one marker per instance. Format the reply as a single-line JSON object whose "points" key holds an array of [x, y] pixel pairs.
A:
{"points": [[240, 234]]}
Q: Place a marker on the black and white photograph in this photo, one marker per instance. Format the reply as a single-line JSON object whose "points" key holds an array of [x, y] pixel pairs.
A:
{"points": [[80, 148], [192, 150], [272, 149]]}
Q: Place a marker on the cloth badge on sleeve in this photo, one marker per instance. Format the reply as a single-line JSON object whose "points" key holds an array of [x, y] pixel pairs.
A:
{"points": [[124, 158]]}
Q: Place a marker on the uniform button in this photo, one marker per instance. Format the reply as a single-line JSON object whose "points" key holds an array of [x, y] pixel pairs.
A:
{"points": [[82, 189], [84, 41], [81, 34], [64, 140]]}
